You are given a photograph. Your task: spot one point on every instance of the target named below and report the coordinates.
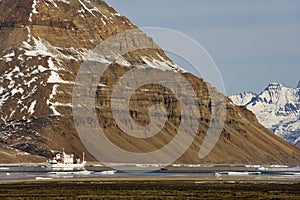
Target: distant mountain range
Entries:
(277, 108)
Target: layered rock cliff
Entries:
(42, 45)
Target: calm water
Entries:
(39, 173)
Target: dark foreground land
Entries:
(149, 190)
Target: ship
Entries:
(66, 161)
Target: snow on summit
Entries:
(277, 108)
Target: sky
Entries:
(253, 43)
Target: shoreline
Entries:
(161, 179)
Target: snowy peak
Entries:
(275, 94)
(274, 85)
(243, 98)
(277, 98)
(271, 94)
(277, 108)
(298, 86)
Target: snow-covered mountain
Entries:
(243, 98)
(277, 108)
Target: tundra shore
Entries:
(152, 188)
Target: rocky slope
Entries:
(277, 108)
(43, 44)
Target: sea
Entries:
(19, 172)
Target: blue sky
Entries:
(252, 42)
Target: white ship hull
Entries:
(67, 166)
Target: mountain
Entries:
(43, 45)
(243, 98)
(277, 108)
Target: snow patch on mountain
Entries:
(161, 64)
(55, 78)
(34, 7)
(40, 48)
(243, 98)
(277, 108)
(31, 108)
(51, 97)
(86, 8)
(8, 57)
(65, 1)
(53, 3)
